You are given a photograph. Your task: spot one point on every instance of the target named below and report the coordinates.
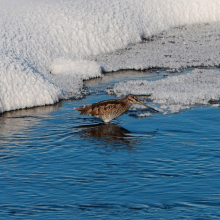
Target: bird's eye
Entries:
(135, 98)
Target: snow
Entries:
(180, 48)
(68, 75)
(74, 67)
(49, 46)
(21, 87)
(175, 93)
(147, 114)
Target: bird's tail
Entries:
(82, 110)
(79, 109)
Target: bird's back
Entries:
(106, 110)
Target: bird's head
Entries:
(134, 100)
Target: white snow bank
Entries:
(21, 86)
(180, 48)
(175, 93)
(82, 69)
(39, 32)
(68, 75)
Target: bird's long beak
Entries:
(141, 103)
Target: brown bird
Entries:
(110, 109)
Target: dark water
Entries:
(56, 164)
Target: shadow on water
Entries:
(109, 133)
(112, 134)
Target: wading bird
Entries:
(110, 109)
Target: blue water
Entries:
(56, 164)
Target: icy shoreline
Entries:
(47, 48)
(175, 93)
(189, 46)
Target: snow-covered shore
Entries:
(180, 48)
(175, 93)
(48, 47)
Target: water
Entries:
(56, 164)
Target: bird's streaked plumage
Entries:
(110, 109)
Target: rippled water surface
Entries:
(56, 164)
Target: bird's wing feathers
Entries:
(103, 108)
(99, 108)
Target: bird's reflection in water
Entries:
(109, 133)
(112, 134)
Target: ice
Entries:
(146, 114)
(180, 48)
(216, 105)
(49, 46)
(21, 87)
(175, 93)
(68, 75)
(83, 69)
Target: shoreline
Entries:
(183, 47)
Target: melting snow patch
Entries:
(176, 93)
(215, 105)
(142, 115)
